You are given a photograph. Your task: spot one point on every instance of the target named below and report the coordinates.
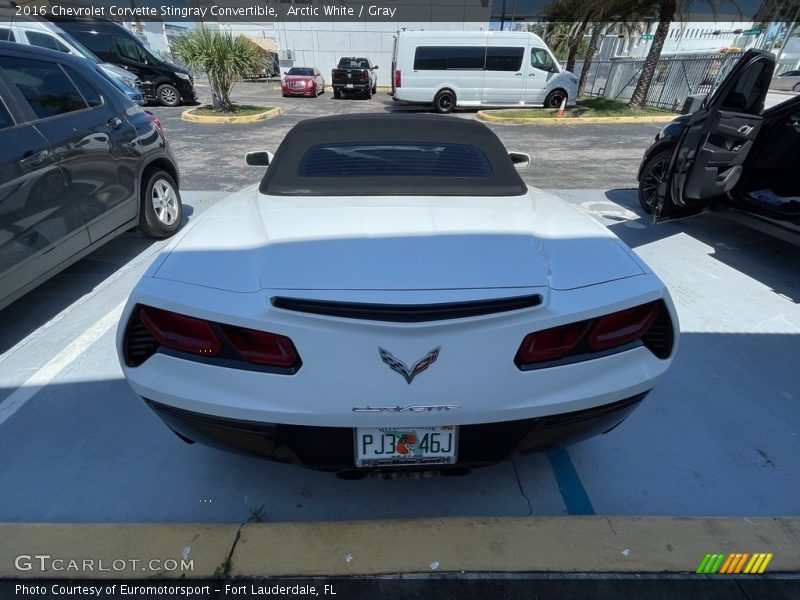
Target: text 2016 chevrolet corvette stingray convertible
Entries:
(394, 297)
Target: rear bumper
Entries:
(331, 448)
(352, 87)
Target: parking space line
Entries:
(58, 363)
(576, 500)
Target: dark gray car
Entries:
(79, 164)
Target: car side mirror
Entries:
(259, 159)
(375, 67)
(520, 159)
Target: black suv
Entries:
(79, 164)
(162, 82)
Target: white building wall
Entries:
(322, 44)
(697, 37)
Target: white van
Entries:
(478, 68)
(47, 35)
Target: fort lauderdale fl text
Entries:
(190, 12)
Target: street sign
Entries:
(756, 31)
(647, 37)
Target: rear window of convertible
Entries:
(394, 159)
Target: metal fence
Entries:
(673, 80)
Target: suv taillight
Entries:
(397, 78)
(154, 120)
(648, 323)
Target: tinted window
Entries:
(504, 59)
(541, 59)
(98, 44)
(89, 92)
(44, 85)
(787, 74)
(353, 63)
(5, 117)
(748, 91)
(44, 40)
(128, 49)
(393, 159)
(298, 71)
(428, 58)
(6, 35)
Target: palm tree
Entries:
(666, 13)
(225, 59)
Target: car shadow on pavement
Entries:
(44, 302)
(761, 257)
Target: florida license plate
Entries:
(384, 446)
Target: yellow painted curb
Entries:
(515, 545)
(553, 544)
(487, 116)
(188, 115)
(106, 550)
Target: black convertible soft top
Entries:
(391, 155)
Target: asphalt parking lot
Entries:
(718, 436)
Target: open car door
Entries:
(707, 161)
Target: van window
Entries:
(541, 59)
(132, 51)
(128, 49)
(435, 58)
(6, 35)
(45, 40)
(504, 59)
(44, 85)
(98, 44)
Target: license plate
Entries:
(349, 85)
(383, 446)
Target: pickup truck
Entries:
(354, 75)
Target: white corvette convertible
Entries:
(393, 296)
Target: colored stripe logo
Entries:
(734, 563)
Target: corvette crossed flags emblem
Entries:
(418, 367)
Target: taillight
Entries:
(550, 344)
(154, 120)
(180, 332)
(623, 327)
(262, 348)
(397, 78)
(648, 323)
(365, 73)
(152, 328)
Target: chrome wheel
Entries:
(169, 96)
(165, 202)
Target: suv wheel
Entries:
(653, 174)
(161, 211)
(337, 93)
(168, 95)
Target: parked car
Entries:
(788, 81)
(449, 69)
(730, 155)
(354, 75)
(393, 296)
(162, 82)
(303, 81)
(79, 164)
(48, 35)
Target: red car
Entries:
(303, 81)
